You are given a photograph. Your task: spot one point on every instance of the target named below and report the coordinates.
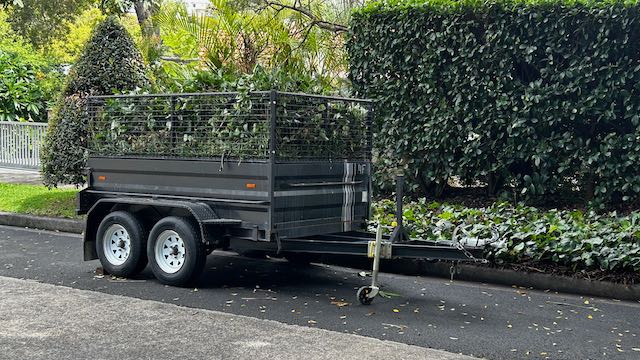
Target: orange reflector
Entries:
(102, 178)
(251, 186)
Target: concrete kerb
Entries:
(75, 226)
(468, 272)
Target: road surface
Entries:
(468, 318)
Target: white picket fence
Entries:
(20, 144)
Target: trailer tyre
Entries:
(121, 244)
(176, 252)
(363, 295)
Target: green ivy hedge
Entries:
(572, 238)
(529, 97)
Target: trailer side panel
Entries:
(320, 197)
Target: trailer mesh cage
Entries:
(243, 126)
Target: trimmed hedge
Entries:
(110, 63)
(532, 98)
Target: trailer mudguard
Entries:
(201, 213)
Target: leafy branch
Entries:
(315, 19)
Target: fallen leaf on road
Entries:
(396, 310)
(386, 294)
(399, 327)
(312, 322)
(340, 303)
(589, 316)
(453, 338)
(635, 349)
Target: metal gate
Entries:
(20, 144)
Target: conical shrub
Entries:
(110, 63)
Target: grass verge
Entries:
(38, 200)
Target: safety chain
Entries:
(459, 246)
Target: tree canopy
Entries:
(42, 21)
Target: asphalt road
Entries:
(473, 319)
(44, 321)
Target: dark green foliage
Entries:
(569, 238)
(110, 63)
(531, 98)
(63, 157)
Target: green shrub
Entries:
(529, 97)
(562, 237)
(29, 80)
(21, 97)
(110, 63)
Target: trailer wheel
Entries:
(363, 295)
(176, 252)
(120, 244)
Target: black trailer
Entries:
(171, 177)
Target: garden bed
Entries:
(569, 242)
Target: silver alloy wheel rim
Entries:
(116, 244)
(170, 252)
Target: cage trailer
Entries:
(172, 177)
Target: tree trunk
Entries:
(494, 183)
(144, 14)
(589, 186)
